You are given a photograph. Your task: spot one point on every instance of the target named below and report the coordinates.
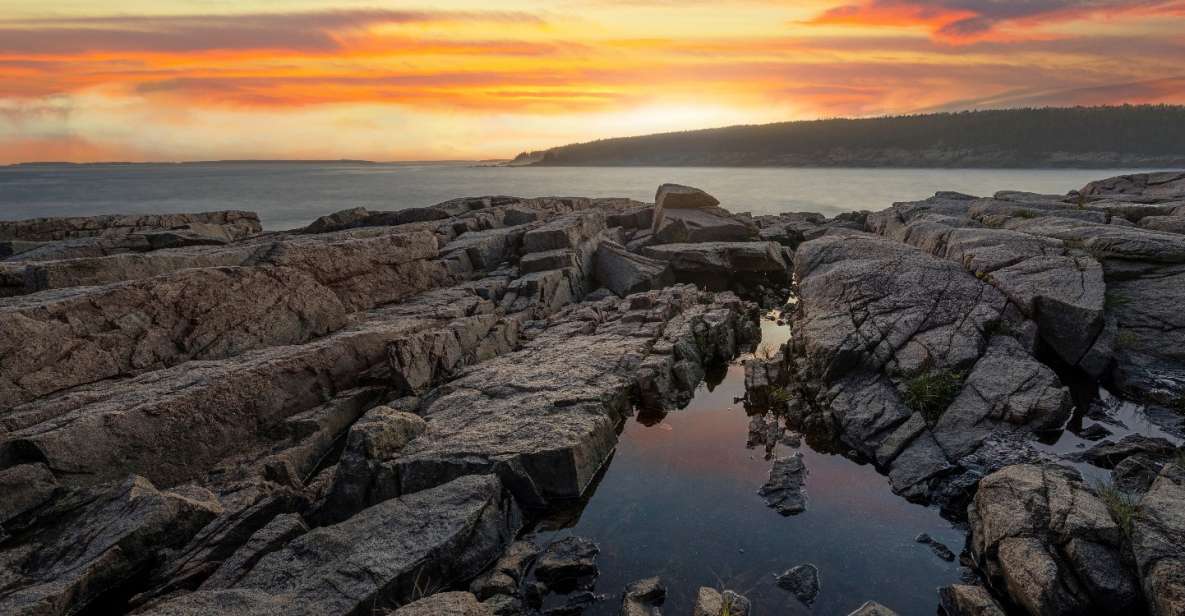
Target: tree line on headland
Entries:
(1090, 137)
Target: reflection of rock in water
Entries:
(784, 491)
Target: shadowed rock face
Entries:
(380, 555)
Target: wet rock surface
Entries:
(363, 415)
(802, 581)
(784, 491)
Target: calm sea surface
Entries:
(289, 195)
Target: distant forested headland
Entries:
(1079, 137)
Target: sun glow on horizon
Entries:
(186, 80)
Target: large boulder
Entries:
(1041, 536)
(711, 224)
(1142, 186)
(677, 196)
(624, 272)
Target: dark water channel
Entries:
(679, 500)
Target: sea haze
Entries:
(288, 195)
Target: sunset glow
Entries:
(185, 80)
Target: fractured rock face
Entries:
(1041, 536)
(625, 272)
(578, 373)
(53, 341)
(376, 558)
(95, 543)
(677, 196)
(1158, 532)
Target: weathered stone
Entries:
(1152, 186)
(383, 432)
(95, 543)
(445, 604)
(505, 577)
(783, 491)
(274, 536)
(172, 424)
(1135, 474)
(712, 224)
(25, 486)
(940, 550)
(967, 600)
(1158, 532)
(1041, 536)
(1006, 391)
(720, 257)
(624, 272)
(872, 608)
(578, 373)
(567, 560)
(677, 196)
(377, 558)
(54, 341)
(711, 602)
(565, 233)
(342, 219)
(643, 598)
(239, 224)
(802, 581)
(1107, 454)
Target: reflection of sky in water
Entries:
(680, 500)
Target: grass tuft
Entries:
(1025, 214)
(1126, 339)
(765, 351)
(1120, 504)
(779, 395)
(930, 392)
(1115, 299)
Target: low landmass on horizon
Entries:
(1080, 137)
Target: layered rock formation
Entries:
(328, 421)
(939, 339)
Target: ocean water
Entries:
(288, 195)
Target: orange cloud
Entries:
(962, 20)
(528, 77)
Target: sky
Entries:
(171, 80)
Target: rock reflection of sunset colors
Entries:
(184, 80)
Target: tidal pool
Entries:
(679, 500)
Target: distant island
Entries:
(1078, 137)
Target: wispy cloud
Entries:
(312, 31)
(972, 19)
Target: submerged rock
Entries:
(644, 598)
(567, 562)
(712, 602)
(872, 608)
(802, 581)
(940, 550)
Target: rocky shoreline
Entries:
(364, 415)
